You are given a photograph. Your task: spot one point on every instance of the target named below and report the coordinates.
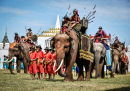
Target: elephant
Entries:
(99, 60)
(99, 56)
(21, 51)
(116, 56)
(67, 50)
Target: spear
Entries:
(92, 14)
(92, 18)
(26, 30)
(68, 9)
(91, 11)
(90, 22)
(39, 30)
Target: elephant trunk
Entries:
(59, 62)
(97, 59)
(10, 63)
(60, 73)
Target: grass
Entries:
(22, 82)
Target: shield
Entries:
(34, 38)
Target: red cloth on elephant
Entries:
(124, 59)
(54, 58)
(48, 65)
(33, 66)
(40, 56)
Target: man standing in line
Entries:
(53, 56)
(48, 60)
(32, 63)
(40, 56)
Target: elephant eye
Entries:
(65, 47)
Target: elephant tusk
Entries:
(10, 60)
(59, 65)
(5, 61)
(54, 65)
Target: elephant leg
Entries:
(125, 69)
(119, 67)
(25, 65)
(102, 72)
(10, 67)
(87, 70)
(18, 66)
(91, 68)
(81, 74)
(97, 69)
(115, 64)
(100, 67)
(69, 65)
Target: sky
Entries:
(112, 15)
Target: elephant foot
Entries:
(68, 80)
(98, 77)
(13, 73)
(80, 79)
(87, 79)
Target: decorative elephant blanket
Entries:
(108, 58)
(108, 61)
(85, 47)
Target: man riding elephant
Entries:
(99, 35)
(116, 44)
(65, 24)
(29, 34)
(75, 19)
(16, 38)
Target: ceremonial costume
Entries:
(40, 56)
(53, 56)
(32, 64)
(17, 39)
(75, 18)
(47, 67)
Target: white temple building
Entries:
(44, 39)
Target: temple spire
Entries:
(5, 40)
(57, 22)
(6, 32)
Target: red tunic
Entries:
(40, 56)
(48, 65)
(33, 65)
(54, 58)
(75, 18)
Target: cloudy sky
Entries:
(112, 15)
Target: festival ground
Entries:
(22, 82)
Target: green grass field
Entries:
(22, 82)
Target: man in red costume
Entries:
(40, 56)
(65, 24)
(47, 60)
(32, 63)
(75, 19)
(53, 56)
(116, 43)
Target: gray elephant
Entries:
(116, 56)
(99, 60)
(21, 51)
(99, 55)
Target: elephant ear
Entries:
(103, 51)
(52, 43)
